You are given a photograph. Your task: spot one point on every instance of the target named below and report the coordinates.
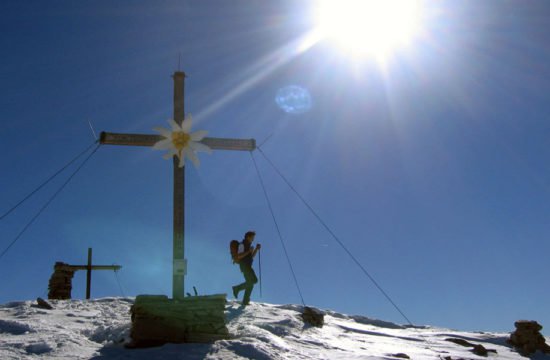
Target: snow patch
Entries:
(111, 334)
(39, 348)
(251, 350)
(14, 327)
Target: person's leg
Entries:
(251, 279)
(238, 288)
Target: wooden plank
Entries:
(89, 274)
(85, 267)
(164, 298)
(202, 298)
(178, 237)
(184, 310)
(178, 233)
(213, 312)
(129, 139)
(230, 144)
(150, 298)
(107, 138)
(192, 319)
(188, 320)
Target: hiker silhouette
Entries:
(244, 256)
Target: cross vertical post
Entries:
(60, 284)
(89, 274)
(179, 268)
(179, 264)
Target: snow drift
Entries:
(99, 329)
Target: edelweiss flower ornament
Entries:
(181, 141)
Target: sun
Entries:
(368, 27)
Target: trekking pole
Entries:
(260, 268)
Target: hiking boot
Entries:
(235, 292)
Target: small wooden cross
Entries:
(179, 261)
(60, 281)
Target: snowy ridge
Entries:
(98, 329)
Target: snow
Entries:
(99, 329)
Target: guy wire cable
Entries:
(48, 180)
(118, 282)
(48, 202)
(336, 238)
(278, 230)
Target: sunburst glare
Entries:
(368, 27)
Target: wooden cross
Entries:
(179, 261)
(60, 281)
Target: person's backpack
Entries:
(234, 249)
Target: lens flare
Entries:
(293, 99)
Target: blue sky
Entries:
(432, 167)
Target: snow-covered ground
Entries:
(98, 329)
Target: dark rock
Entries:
(314, 317)
(460, 342)
(43, 304)
(479, 350)
(401, 356)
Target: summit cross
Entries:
(179, 262)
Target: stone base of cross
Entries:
(179, 261)
(157, 320)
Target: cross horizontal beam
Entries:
(150, 140)
(85, 267)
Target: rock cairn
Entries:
(527, 338)
(61, 282)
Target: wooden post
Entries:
(179, 263)
(179, 266)
(89, 274)
(60, 284)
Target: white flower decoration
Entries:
(181, 141)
